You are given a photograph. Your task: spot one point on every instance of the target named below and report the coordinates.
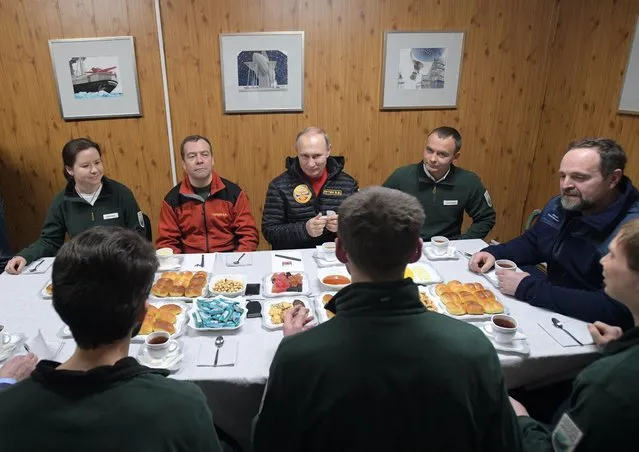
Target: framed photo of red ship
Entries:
(96, 77)
(421, 70)
(262, 72)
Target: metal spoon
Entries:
(558, 324)
(219, 341)
(238, 259)
(36, 267)
(201, 264)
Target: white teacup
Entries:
(504, 328)
(159, 344)
(329, 251)
(164, 254)
(440, 245)
(505, 264)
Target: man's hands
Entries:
(296, 320)
(315, 226)
(602, 333)
(19, 367)
(518, 408)
(509, 280)
(15, 265)
(331, 222)
(481, 262)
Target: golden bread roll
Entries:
(441, 288)
(493, 307)
(160, 291)
(474, 308)
(455, 308)
(172, 308)
(450, 297)
(163, 281)
(169, 275)
(198, 279)
(329, 314)
(473, 287)
(466, 296)
(161, 325)
(193, 292)
(485, 295)
(326, 298)
(150, 316)
(200, 274)
(176, 291)
(147, 328)
(166, 316)
(152, 309)
(455, 286)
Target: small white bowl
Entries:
(327, 271)
(216, 278)
(164, 254)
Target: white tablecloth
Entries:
(234, 393)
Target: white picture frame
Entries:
(421, 69)
(96, 77)
(629, 99)
(262, 72)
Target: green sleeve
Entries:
(131, 212)
(204, 434)
(51, 236)
(607, 422)
(278, 409)
(481, 212)
(392, 181)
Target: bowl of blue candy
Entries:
(217, 314)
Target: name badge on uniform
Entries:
(567, 435)
(332, 192)
(111, 216)
(451, 202)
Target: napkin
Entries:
(576, 327)
(246, 261)
(226, 357)
(321, 260)
(44, 349)
(281, 264)
(42, 268)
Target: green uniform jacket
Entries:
(124, 407)
(386, 375)
(604, 405)
(71, 214)
(445, 202)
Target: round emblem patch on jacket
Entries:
(302, 194)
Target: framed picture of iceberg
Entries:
(262, 72)
(96, 77)
(629, 100)
(421, 70)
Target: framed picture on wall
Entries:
(629, 102)
(262, 72)
(96, 77)
(421, 69)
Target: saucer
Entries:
(7, 349)
(518, 345)
(172, 263)
(170, 360)
(451, 253)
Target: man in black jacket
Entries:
(301, 204)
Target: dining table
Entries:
(234, 392)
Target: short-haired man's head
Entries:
(312, 131)
(72, 148)
(193, 139)
(628, 240)
(101, 280)
(380, 228)
(612, 154)
(447, 132)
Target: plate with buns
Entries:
(164, 316)
(180, 286)
(320, 302)
(47, 291)
(466, 301)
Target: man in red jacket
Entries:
(205, 213)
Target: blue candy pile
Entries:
(218, 312)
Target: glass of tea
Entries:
(159, 344)
(439, 244)
(504, 328)
(505, 264)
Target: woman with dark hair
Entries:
(89, 199)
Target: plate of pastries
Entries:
(273, 310)
(321, 301)
(161, 316)
(47, 290)
(180, 285)
(467, 300)
(428, 300)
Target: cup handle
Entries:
(172, 346)
(6, 338)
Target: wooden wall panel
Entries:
(502, 87)
(589, 57)
(32, 131)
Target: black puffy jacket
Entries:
(286, 210)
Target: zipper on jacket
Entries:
(206, 229)
(434, 193)
(92, 216)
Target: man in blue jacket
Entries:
(571, 236)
